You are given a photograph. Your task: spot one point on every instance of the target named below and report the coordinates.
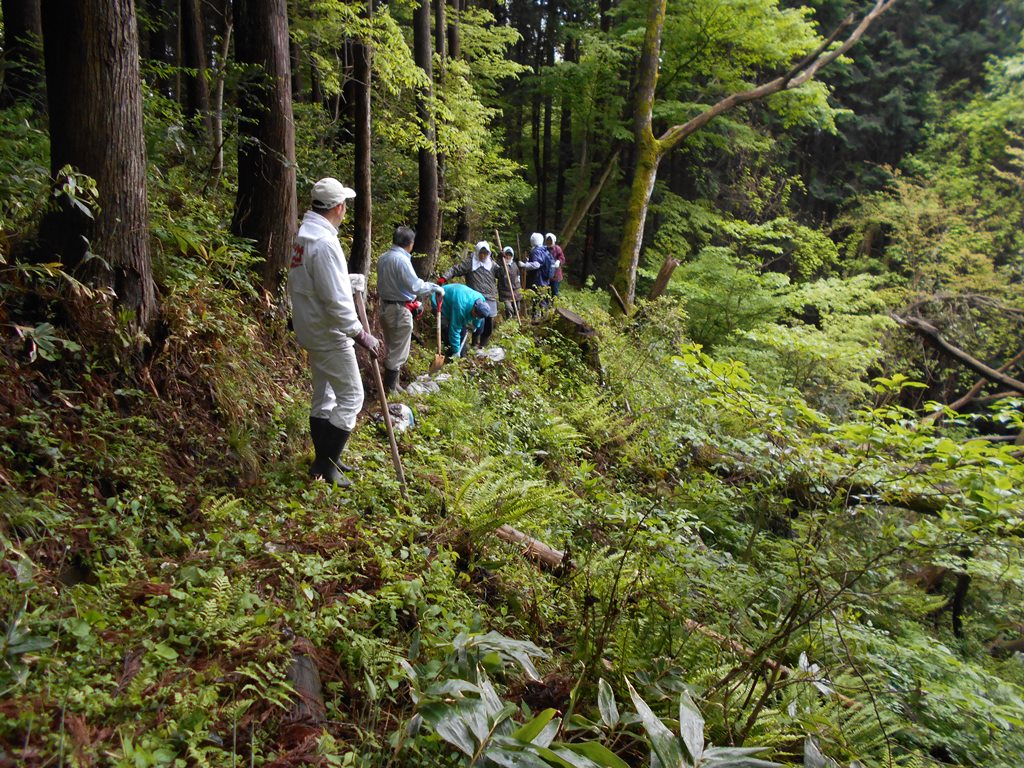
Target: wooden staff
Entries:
(357, 292)
(508, 277)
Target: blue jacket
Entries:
(457, 312)
(540, 268)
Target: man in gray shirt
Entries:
(397, 285)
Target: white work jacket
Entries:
(323, 311)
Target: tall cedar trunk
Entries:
(441, 47)
(647, 155)
(193, 54)
(23, 32)
(295, 58)
(454, 38)
(157, 41)
(535, 125)
(565, 156)
(265, 206)
(95, 108)
(427, 222)
(550, 39)
(362, 73)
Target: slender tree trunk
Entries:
(197, 87)
(95, 108)
(157, 41)
(265, 206)
(23, 33)
(584, 203)
(538, 169)
(427, 221)
(362, 75)
(225, 28)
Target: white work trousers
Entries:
(337, 387)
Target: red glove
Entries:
(370, 343)
(416, 308)
(441, 281)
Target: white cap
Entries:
(329, 192)
(483, 245)
(508, 249)
(536, 239)
(550, 236)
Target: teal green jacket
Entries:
(457, 313)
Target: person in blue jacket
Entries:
(462, 310)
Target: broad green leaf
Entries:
(691, 726)
(529, 731)
(664, 744)
(606, 704)
(599, 753)
(448, 723)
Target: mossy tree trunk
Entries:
(94, 96)
(650, 149)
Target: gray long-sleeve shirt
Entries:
(396, 279)
(478, 277)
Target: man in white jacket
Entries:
(326, 324)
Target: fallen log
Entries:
(972, 394)
(532, 549)
(931, 334)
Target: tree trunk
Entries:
(454, 38)
(362, 75)
(193, 54)
(427, 221)
(157, 40)
(650, 150)
(23, 33)
(95, 109)
(538, 170)
(664, 275)
(265, 206)
(584, 204)
(647, 153)
(225, 28)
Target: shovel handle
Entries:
(439, 300)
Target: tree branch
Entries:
(807, 69)
(931, 334)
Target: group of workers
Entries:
(328, 327)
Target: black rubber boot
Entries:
(391, 381)
(328, 443)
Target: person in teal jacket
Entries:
(462, 310)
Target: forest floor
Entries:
(167, 566)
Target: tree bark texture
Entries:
(95, 108)
(23, 33)
(427, 223)
(362, 73)
(265, 206)
(647, 153)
